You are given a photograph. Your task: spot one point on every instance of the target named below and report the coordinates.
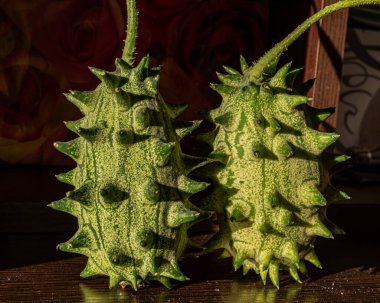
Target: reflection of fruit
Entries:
(91, 295)
(257, 293)
(253, 294)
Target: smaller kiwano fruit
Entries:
(269, 166)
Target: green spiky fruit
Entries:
(271, 185)
(269, 166)
(131, 186)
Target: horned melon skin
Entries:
(271, 187)
(131, 186)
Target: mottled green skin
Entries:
(131, 190)
(271, 187)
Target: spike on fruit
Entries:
(224, 90)
(274, 273)
(178, 214)
(320, 230)
(176, 110)
(239, 259)
(313, 259)
(243, 64)
(279, 79)
(70, 148)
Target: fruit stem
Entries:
(130, 40)
(256, 72)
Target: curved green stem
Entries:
(255, 73)
(130, 41)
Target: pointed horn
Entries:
(82, 100)
(67, 177)
(231, 70)
(274, 273)
(279, 79)
(239, 259)
(70, 148)
(313, 259)
(190, 186)
(176, 110)
(243, 64)
(109, 79)
(66, 205)
(223, 89)
(179, 214)
(294, 274)
(319, 229)
(187, 128)
(310, 195)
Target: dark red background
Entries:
(46, 47)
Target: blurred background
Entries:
(359, 104)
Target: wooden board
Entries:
(326, 42)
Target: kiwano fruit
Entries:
(269, 166)
(131, 186)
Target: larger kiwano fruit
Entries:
(131, 186)
(131, 189)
